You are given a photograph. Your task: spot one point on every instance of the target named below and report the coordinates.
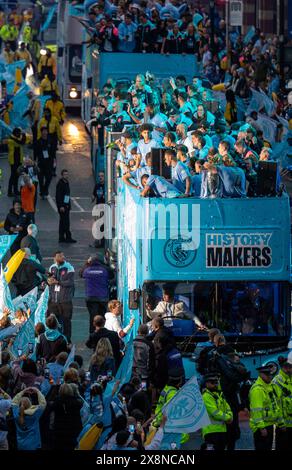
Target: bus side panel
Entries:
(129, 252)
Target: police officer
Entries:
(9, 33)
(265, 409)
(173, 385)
(219, 411)
(283, 383)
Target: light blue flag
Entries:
(27, 301)
(249, 35)
(186, 411)
(10, 331)
(5, 240)
(70, 358)
(125, 370)
(5, 296)
(11, 68)
(26, 335)
(42, 306)
(49, 18)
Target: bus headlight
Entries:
(73, 93)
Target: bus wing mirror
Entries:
(134, 297)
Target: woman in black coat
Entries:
(66, 422)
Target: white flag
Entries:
(186, 411)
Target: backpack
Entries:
(234, 372)
(89, 436)
(203, 359)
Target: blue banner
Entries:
(125, 370)
(70, 358)
(42, 306)
(249, 35)
(50, 16)
(5, 240)
(27, 301)
(11, 68)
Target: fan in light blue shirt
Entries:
(160, 187)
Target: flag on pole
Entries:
(49, 18)
(70, 358)
(186, 411)
(42, 306)
(5, 296)
(27, 301)
(6, 240)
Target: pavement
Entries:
(74, 155)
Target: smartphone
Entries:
(30, 348)
(19, 352)
(143, 385)
(139, 426)
(47, 373)
(132, 428)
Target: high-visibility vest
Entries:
(283, 383)
(218, 411)
(265, 408)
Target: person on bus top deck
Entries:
(146, 143)
(157, 186)
(181, 177)
(170, 307)
(133, 177)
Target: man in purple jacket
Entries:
(97, 283)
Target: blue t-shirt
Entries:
(161, 187)
(137, 174)
(180, 173)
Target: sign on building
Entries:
(235, 13)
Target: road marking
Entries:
(77, 205)
(52, 203)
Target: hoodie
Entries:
(51, 343)
(28, 436)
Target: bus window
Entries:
(236, 308)
(75, 63)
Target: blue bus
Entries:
(228, 260)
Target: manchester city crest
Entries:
(180, 252)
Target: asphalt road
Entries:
(75, 157)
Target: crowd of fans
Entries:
(198, 136)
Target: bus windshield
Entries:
(236, 308)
